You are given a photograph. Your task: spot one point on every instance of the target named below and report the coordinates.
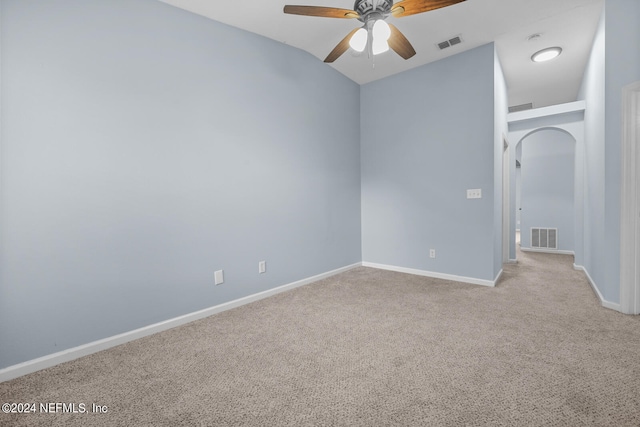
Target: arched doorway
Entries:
(566, 118)
(545, 182)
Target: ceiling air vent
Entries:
(521, 107)
(451, 42)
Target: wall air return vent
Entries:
(451, 42)
(521, 107)
(544, 238)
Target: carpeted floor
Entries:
(370, 348)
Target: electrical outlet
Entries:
(432, 253)
(219, 277)
(262, 267)
(475, 193)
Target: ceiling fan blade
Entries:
(399, 43)
(324, 12)
(411, 7)
(341, 47)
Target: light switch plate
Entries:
(219, 277)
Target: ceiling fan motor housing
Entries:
(365, 8)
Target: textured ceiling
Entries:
(570, 24)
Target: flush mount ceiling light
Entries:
(546, 54)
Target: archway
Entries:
(545, 197)
(567, 118)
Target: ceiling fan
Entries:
(375, 35)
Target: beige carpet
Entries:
(371, 348)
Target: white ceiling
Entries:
(570, 24)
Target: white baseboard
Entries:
(435, 275)
(50, 360)
(603, 302)
(548, 251)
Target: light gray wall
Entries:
(145, 147)
(605, 76)
(427, 136)
(1, 171)
(501, 131)
(593, 93)
(622, 67)
(547, 173)
(518, 186)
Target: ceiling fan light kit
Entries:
(376, 34)
(359, 40)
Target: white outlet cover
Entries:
(262, 267)
(474, 193)
(219, 277)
